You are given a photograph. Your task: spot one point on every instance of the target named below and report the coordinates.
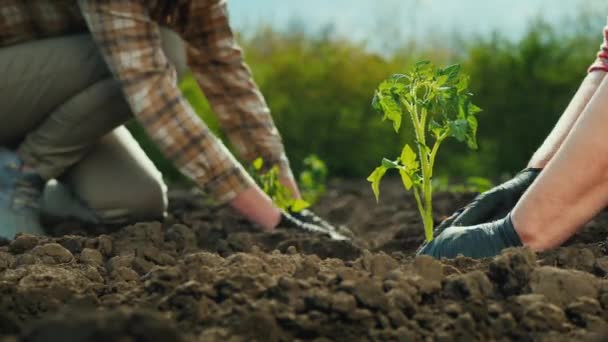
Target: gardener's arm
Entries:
(570, 191)
(130, 43)
(572, 188)
(218, 66)
(495, 203)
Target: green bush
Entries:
(523, 87)
(319, 91)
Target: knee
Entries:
(150, 202)
(145, 201)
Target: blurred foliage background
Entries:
(319, 88)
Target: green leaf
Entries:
(463, 84)
(463, 107)
(299, 205)
(451, 71)
(473, 109)
(389, 164)
(422, 64)
(375, 179)
(400, 77)
(406, 179)
(423, 70)
(471, 136)
(459, 129)
(436, 128)
(386, 102)
(376, 102)
(408, 158)
(441, 80)
(258, 164)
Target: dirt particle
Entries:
(474, 285)
(91, 257)
(453, 309)
(379, 265)
(72, 243)
(569, 257)
(582, 310)
(505, 324)
(364, 317)
(561, 287)
(402, 300)
(120, 261)
(53, 253)
(125, 274)
(141, 265)
(495, 309)
(370, 295)
(541, 315)
(343, 302)
(120, 325)
(428, 268)
(25, 259)
(600, 267)
(22, 243)
(58, 281)
(319, 300)
(183, 237)
(604, 293)
(307, 269)
(511, 270)
(465, 326)
(105, 245)
(6, 261)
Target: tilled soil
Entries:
(206, 275)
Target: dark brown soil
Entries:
(205, 275)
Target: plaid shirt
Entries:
(127, 33)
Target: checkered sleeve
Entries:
(130, 43)
(217, 63)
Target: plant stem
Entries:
(425, 203)
(428, 189)
(428, 204)
(420, 206)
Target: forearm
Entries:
(218, 65)
(563, 127)
(256, 206)
(574, 185)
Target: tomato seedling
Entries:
(312, 183)
(438, 103)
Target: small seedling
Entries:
(313, 178)
(438, 103)
(270, 183)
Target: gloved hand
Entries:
(492, 204)
(480, 241)
(307, 221)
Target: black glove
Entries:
(492, 204)
(307, 221)
(480, 241)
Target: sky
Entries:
(360, 20)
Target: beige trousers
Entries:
(64, 112)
